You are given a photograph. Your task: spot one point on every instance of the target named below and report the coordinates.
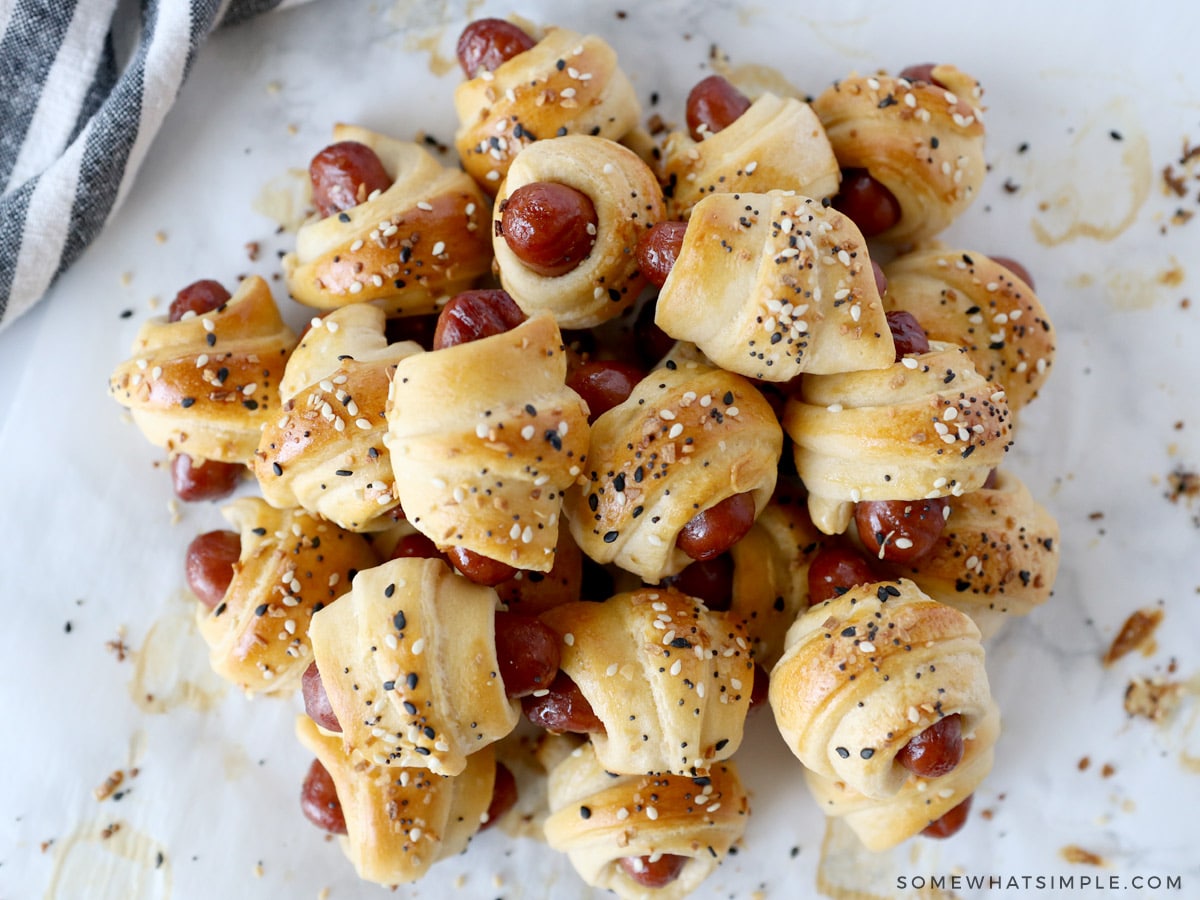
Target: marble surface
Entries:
(1084, 114)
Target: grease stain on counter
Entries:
(172, 668)
(286, 199)
(1071, 206)
(110, 859)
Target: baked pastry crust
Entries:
(883, 823)
(970, 299)
(643, 815)
(923, 142)
(669, 678)
(776, 144)
(400, 821)
(688, 437)
(627, 200)
(774, 285)
(291, 565)
(484, 438)
(207, 384)
(997, 556)
(770, 574)
(927, 426)
(567, 83)
(866, 672)
(325, 451)
(408, 659)
(423, 239)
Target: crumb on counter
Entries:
(1136, 633)
(1152, 698)
(1080, 857)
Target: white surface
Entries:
(88, 538)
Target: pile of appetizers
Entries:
(625, 434)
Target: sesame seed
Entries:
(427, 207)
(439, 248)
(418, 646)
(676, 431)
(611, 670)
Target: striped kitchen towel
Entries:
(76, 122)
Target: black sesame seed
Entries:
(610, 536)
(843, 752)
(399, 619)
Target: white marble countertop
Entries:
(1085, 112)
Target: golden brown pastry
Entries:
(883, 823)
(866, 672)
(688, 437)
(770, 574)
(423, 239)
(291, 565)
(997, 556)
(776, 144)
(669, 679)
(773, 285)
(484, 438)
(599, 820)
(927, 426)
(922, 141)
(205, 385)
(400, 821)
(325, 451)
(408, 660)
(627, 201)
(566, 84)
(970, 299)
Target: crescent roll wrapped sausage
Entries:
(770, 574)
(997, 555)
(627, 201)
(688, 438)
(919, 804)
(484, 438)
(928, 426)
(207, 384)
(325, 452)
(408, 661)
(567, 83)
(614, 828)
(400, 821)
(869, 671)
(669, 679)
(420, 240)
(291, 565)
(778, 143)
(773, 285)
(970, 299)
(921, 139)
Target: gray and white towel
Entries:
(76, 121)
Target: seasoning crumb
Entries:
(46, 844)
(1083, 763)
(117, 646)
(1182, 483)
(109, 786)
(252, 249)
(1137, 632)
(109, 830)
(258, 869)
(1077, 855)
(1153, 698)
(1108, 770)
(160, 237)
